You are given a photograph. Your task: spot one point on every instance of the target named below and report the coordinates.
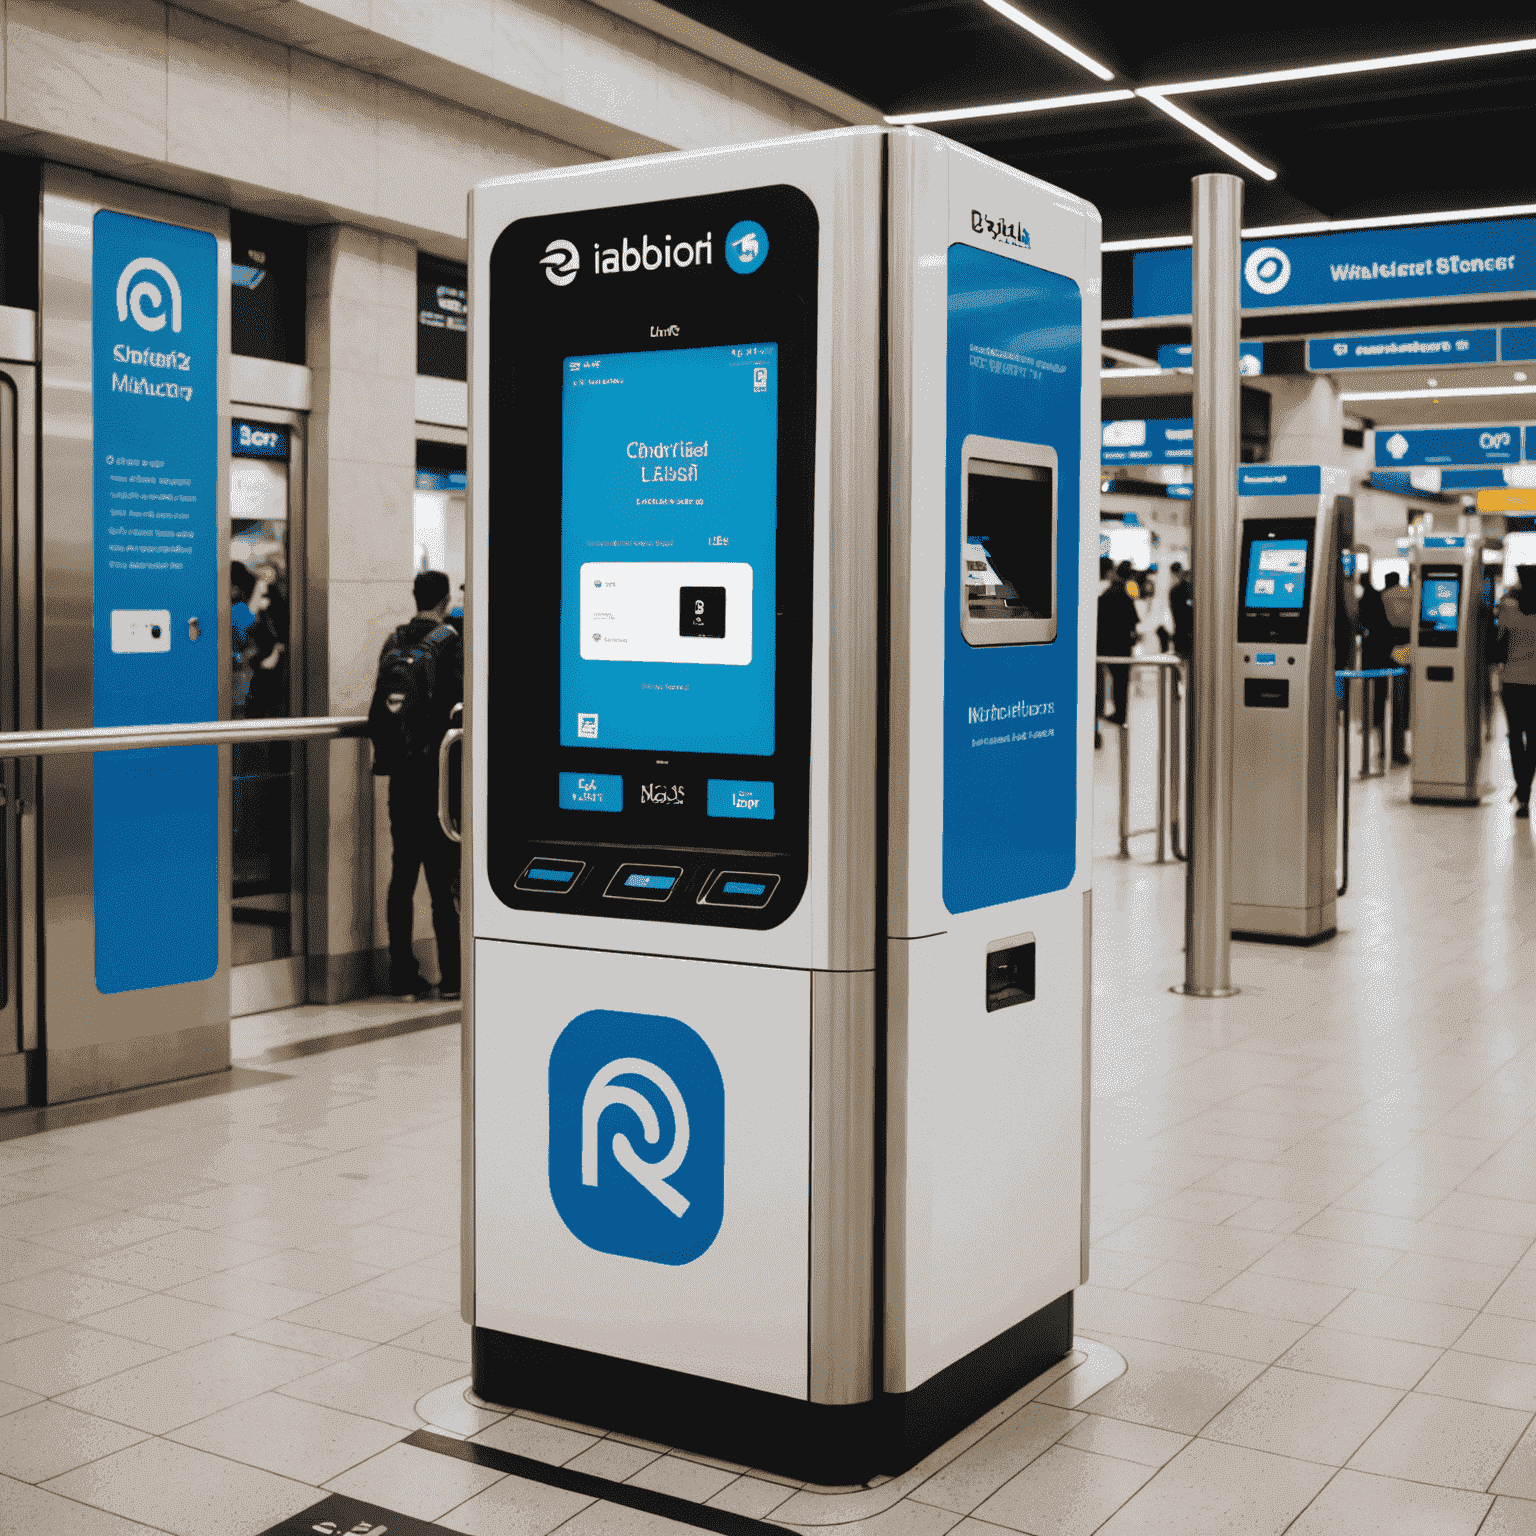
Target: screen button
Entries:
(550, 877)
(739, 888)
(740, 797)
(645, 882)
(1266, 658)
(591, 792)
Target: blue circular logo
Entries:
(746, 247)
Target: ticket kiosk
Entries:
(1293, 630)
(1447, 660)
(777, 938)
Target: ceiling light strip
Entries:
(1350, 67)
(1441, 394)
(1206, 132)
(1050, 39)
(1010, 108)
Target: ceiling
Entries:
(1417, 139)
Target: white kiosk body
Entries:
(1296, 523)
(777, 946)
(1446, 658)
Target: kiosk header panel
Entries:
(658, 544)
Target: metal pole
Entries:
(1123, 732)
(1176, 759)
(1161, 675)
(1215, 327)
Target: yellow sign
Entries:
(1507, 498)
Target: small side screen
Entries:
(1439, 605)
(1275, 576)
(1008, 560)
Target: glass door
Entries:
(266, 679)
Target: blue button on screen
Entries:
(558, 875)
(652, 882)
(742, 888)
(740, 797)
(592, 791)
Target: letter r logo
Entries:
(637, 1136)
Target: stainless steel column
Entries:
(1218, 219)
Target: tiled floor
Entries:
(1314, 1217)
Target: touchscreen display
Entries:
(669, 517)
(1008, 571)
(1440, 603)
(1277, 574)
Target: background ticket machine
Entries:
(777, 989)
(1293, 630)
(1447, 658)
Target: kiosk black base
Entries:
(817, 1442)
(1297, 940)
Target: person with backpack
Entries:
(420, 681)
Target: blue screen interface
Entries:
(1277, 574)
(1439, 603)
(669, 524)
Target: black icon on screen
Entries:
(701, 611)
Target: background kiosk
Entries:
(1447, 659)
(777, 995)
(1294, 627)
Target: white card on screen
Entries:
(141, 629)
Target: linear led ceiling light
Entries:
(1442, 394)
(1060, 44)
(1009, 108)
(1154, 94)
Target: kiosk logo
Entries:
(1268, 269)
(561, 262)
(611, 1074)
(746, 246)
(149, 293)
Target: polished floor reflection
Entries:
(1314, 1211)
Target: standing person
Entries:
(1117, 636)
(421, 679)
(1397, 601)
(1181, 604)
(1515, 648)
(1376, 644)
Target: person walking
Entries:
(1514, 649)
(1397, 602)
(1117, 636)
(420, 680)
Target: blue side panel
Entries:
(1014, 371)
(155, 565)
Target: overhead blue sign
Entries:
(257, 440)
(1169, 441)
(1448, 445)
(155, 591)
(1280, 480)
(1250, 357)
(1517, 344)
(1328, 354)
(1465, 479)
(1354, 267)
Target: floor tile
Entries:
(1210, 1489)
(368, 1314)
(683, 1479)
(1391, 1317)
(46, 1439)
(233, 1292)
(1482, 1379)
(517, 1507)
(751, 1496)
(205, 1250)
(1428, 1277)
(612, 1459)
(383, 1383)
(1064, 1492)
(302, 1440)
(66, 1295)
(25, 1509)
(18, 1323)
(1358, 1357)
(322, 1273)
(1518, 1474)
(314, 1341)
(1296, 1413)
(981, 1470)
(19, 1258)
(1444, 1441)
(127, 1266)
(1358, 1504)
(1299, 1301)
(1219, 1330)
(414, 1482)
(1505, 1338)
(69, 1356)
(534, 1438)
(170, 1322)
(1510, 1517)
(169, 1486)
(1325, 1261)
(1127, 1442)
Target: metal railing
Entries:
(202, 733)
(1341, 683)
(1172, 676)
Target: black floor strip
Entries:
(320, 1044)
(722, 1521)
(341, 1516)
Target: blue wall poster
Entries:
(1354, 267)
(1166, 440)
(1014, 371)
(1447, 445)
(155, 597)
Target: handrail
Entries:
(126, 738)
(1342, 678)
(1168, 754)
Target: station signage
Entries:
(1167, 441)
(1250, 357)
(1329, 354)
(1354, 268)
(1448, 445)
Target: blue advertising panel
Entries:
(1448, 445)
(1250, 357)
(1010, 711)
(155, 597)
(1517, 343)
(1463, 479)
(1280, 480)
(658, 653)
(1354, 267)
(1327, 354)
(1168, 441)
